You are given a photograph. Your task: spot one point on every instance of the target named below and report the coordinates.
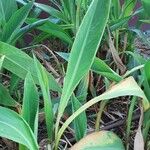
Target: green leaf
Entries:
(103, 140)
(48, 109)
(5, 98)
(114, 25)
(52, 11)
(130, 87)
(98, 66)
(146, 84)
(80, 123)
(128, 7)
(28, 28)
(13, 84)
(145, 21)
(30, 103)
(1, 61)
(21, 2)
(14, 127)
(15, 22)
(146, 5)
(147, 71)
(82, 89)
(30, 106)
(116, 8)
(5, 11)
(20, 64)
(52, 29)
(84, 48)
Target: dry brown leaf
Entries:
(115, 55)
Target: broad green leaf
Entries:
(20, 64)
(52, 29)
(15, 22)
(98, 66)
(103, 140)
(130, 87)
(146, 5)
(5, 98)
(30, 106)
(48, 109)
(84, 48)
(14, 127)
(7, 8)
(80, 123)
(1, 61)
(30, 103)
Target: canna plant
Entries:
(87, 21)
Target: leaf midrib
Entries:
(77, 65)
(17, 132)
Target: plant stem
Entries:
(129, 120)
(99, 115)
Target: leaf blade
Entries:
(83, 48)
(130, 88)
(16, 130)
(20, 64)
(30, 102)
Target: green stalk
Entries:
(129, 120)
(102, 106)
(99, 115)
(78, 17)
(133, 70)
(146, 126)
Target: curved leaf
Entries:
(30, 103)
(5, 98)
(48, 109)
(13, 127)
(130, 88)
(98, 66)
(52, 11)
(84, 48)
(52, 29)
(20, 64)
